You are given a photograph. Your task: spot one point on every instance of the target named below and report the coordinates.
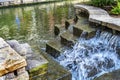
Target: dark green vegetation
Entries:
(116, 9)
(111, 6)
(101, 3)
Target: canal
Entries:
(34, 24)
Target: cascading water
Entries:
(91, 58)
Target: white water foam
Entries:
(91, 58)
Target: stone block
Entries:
(55, 71)
(37, 67)
(67, 39)
(23, 76)
(10, 75)
(58, 29)
(10, 60)
(77, 31)
(21, 70)
(54, 48)
(20, 74)
(36, 64)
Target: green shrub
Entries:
(116, 9)
(101, 3)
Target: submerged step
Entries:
(55, 70)
(68, 38)
(10, 60)
(54, 48)
(83, 26)
(36, 64)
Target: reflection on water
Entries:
(33, 24)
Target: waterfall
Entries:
(91, 58)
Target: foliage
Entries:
(101, 3)
(116, 9)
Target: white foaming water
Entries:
(91, 58)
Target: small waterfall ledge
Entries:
(96, 49)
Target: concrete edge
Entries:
(100, 16)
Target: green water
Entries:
(33, 24)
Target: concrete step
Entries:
(58, 28)
(83, 26)
(55, 70)
(54, 48)
(68, 39)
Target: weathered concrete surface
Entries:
(37, 64)
(54, 48)
(10, 60)
(68, 38)
(55, 70)
(115, 75)
(100, 16)
(69, 22)
(58, 29)
(83, 26)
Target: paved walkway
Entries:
(100, 16)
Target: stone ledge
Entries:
(36, 63)
(68, 38)
(10, 60)
(54, 48)
(100, 16)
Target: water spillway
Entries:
(90, 58)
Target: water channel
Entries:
(35, 24)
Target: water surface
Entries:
(34, 24)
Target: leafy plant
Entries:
(116, 9)
(101, 3)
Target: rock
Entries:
(23, 49)
(11, 59)
(54, 48)
(37, 67)
(21, 71)
(10, 76)
(17, 47)
(23, 76)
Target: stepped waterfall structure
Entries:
(87, 47)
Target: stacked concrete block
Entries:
(12, 65)
(37, 64)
